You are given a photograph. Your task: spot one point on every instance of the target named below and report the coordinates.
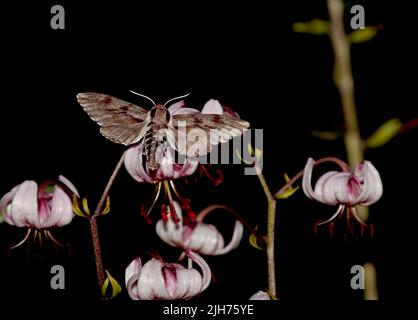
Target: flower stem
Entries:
(108, 186)
(93, 224)
(345, 83)
(354, 144)
(97, 251)
(271, 217)
(299, 175)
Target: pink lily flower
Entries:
(363, 186)
(193, 234)
(158, 280)
(41, 207)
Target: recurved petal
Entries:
(134, 166)
(189, 283)
(169, 231)
(5, 205)
(170, 278)
(61, 210)
(151, 284)
(372, 188)
(24, 207)
(133, 268)
(307, 181)
(132, 286)
(186, 169)
(178, 108)
(68, 184)
(235, 240)
(229, 112)
(205, 238)
(206, 273)
(335, 189)
(319, 185)
(260, 295)
(212, 106)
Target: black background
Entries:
(248, 57)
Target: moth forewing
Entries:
(121, 122)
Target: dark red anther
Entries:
(144, 214)
(362, 227)
(175, 217)
(164, 212)
(331, 229)
(371, 231)
(191, 215)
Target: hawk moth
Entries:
(125, 123)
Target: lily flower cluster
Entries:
(53, 204)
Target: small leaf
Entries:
(76, 208)
(237, 152)
(362, 35)
(254, 153)
(86, 206)
(272, 296)
(114, 286)
(1, 217)
(384, 133)
(106, 210)
(254, 240)
(326, 135)
(316, 27)
(288, 192)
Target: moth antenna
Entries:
(144, 96)
(183, 96)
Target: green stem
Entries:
(344, 80)
(354, 144)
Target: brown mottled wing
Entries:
(194, 134)
(122, 122)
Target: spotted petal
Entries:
(372, 183)
(61, 210)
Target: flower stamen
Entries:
(49, 235)
(25, 238)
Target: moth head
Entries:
(159, 114)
